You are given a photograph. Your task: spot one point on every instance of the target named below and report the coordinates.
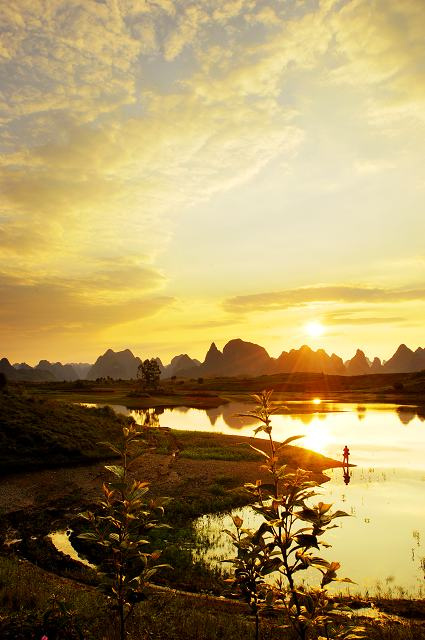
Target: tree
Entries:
(149, 373)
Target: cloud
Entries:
(81, 305)
(380, 45)
(353, 318)
(190, 20)
(72, 56)
(370, 167)
(305, 295)
(91, 144)
(119, 115)
(267, 15)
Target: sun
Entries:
(314, 329)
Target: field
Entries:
(403, 388)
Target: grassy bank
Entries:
(39, 432)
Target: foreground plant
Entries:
(285, 543)
(121, 525)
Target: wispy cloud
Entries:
(380, 44)
(305, 295)
(81, 305)
(356, 317)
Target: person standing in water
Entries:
(345, 465)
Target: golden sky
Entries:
(175, 172)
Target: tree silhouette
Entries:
(148, 372)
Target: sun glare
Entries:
(317, 438)
(314, 329)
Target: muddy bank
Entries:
(184, 478)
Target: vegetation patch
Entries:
(37, 432)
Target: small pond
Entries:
(382, 547)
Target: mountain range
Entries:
(237, 358)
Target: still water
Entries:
(382, 546)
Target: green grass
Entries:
(37, 432)
(220, 453)
(199, 445)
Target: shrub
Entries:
(125, 518)
(285, 543)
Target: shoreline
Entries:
(23, 489)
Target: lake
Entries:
(382, 546)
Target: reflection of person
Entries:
(346, 475)
(346, 453)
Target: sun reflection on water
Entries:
(317, 439)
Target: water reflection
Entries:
(376, 439)
(63, 544)
(406, 414)
(213, 415)
(306, 418)
(384, 492)
(361, 411)
(346, 475)
(376, 547)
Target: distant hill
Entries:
(178, 365)
(405, 359)
(245, 358)
(24, 373)
(60, 371)
(359, 365)
(306, 360)
(115, 364)
(81, 369)
(237, 358)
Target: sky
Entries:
(177, 172)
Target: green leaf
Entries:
(270, 566)
(307, 540)
(346, 580)
(340, 514)
(263, 453)
(262, 427)
(116, 470)
(287, 441)
(309, 515)
(88, 536)
(114, 536)
(324, 508)
(229, 533)
(86, 515)
(112, 447)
